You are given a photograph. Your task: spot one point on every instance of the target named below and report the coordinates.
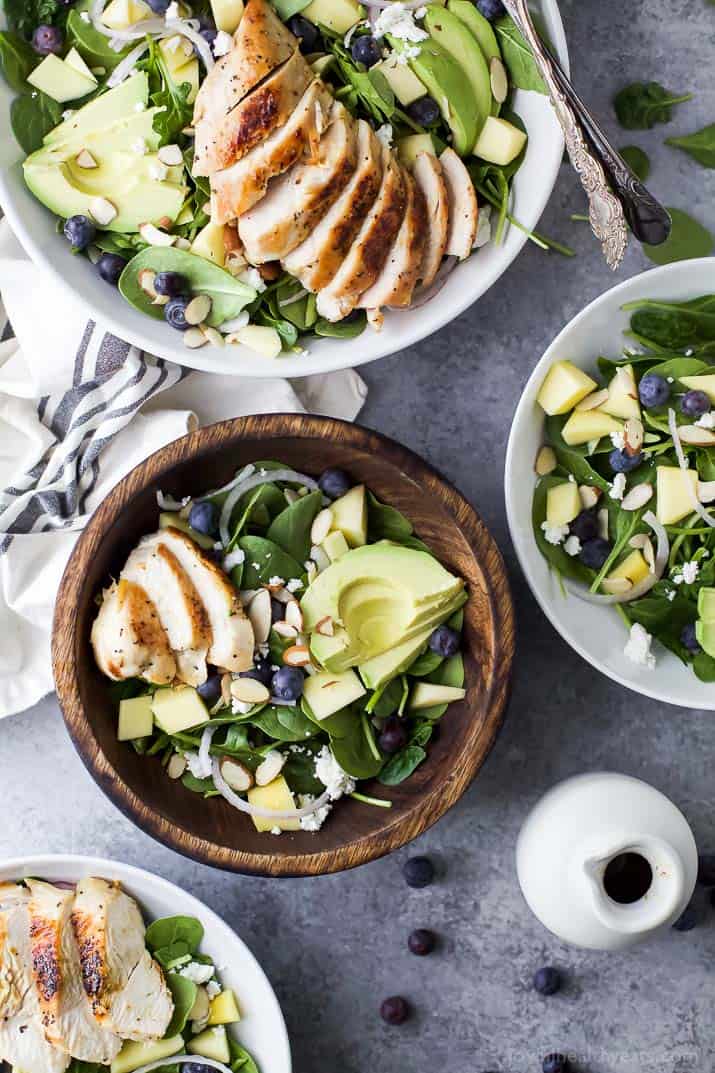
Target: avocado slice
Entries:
(478, 26)
(445, 80)
(706, 603)
(455, 37)
(125, 100)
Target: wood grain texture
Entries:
(211, 831)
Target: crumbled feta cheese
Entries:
(196, 767)
(637, 648)
(572, 546)
(689, 352)
(139, 147)
(158, 171)
(670, 379)
(332, 776)
(707, 420)
(421, 12)
(172, 12)
(618, 439)
(234, 558)
(314, 820)
(484, 227)
(687, 574)
(140, 106)
(68, 113)
(223, 43)
(618, 487)
(84, 15)
(240, 707)
(253, 278)
(554, 534)
(670, 595)
(384, 135)
(294, 585)
(213, 988)
(399, 22)
(276, 831)
(407, 53)
(197, 973)
(276, 580)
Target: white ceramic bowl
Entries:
(262, 1029)
(597, 633)
(35, 227)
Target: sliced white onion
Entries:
(186, 27)
(180, 1059)
(205, 750)
(425, 294)
(125, 68)
(293, 298)
(255, 810)
(408, 5)
(644, 586)
(146, 26)
(240, 488)
(240, 476)
(169, 503)
(683, 463)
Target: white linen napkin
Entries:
(79, 408)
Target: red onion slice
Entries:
(644, 586)
(683, 463)
(255, 810)
(241, 487)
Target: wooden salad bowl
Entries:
(210, 830)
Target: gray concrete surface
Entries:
(334, 947)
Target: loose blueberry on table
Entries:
(547, 981)
(421, 941)
(418, 872)
(395, 1010)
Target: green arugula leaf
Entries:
(688, 239)
(700, 145)
(640, 105)
(637, 161)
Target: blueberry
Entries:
(171, 284)
(594, 553)
(418, 871)
(706, 869)
(622, 462)
(394, 1010)
(110, 267)
(209, 34)
(203, 517)
(287, 683)
(196, 1067)
(421, 942)
(424, 111)
(555, 1063)
(158, 6)
(365, 49)
(393, 736)
(689, 640)
(688, 919)
(306, 32)
(695, 403)
(653, 390)
(210, 690)
(584, 526)
(261, 671)
(547, 981)
(278, 610)
(174, 312)
(491, 9)
(79, 231)
(46, 40)
(334, 483)
(444, 641)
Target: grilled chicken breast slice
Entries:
(369, 251)
(463, 209)
(23, 1044)
(261, 43)
(398, 278)
(128, 638)
(428, 176)
(181, 613)
(223, 139)
(232, 640)
(125, 987)
(57, 974)
(237, 189)
(316, 260)
(297, 200)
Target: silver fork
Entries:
(616, 196)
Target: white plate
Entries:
(597, 633)
(35, 227)
(262, 1030)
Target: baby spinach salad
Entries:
(622, 509)
(106, 111)
(344, 649)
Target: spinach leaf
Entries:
(388, 700)
(241, 1060)
(338, 725)
(571, 458)
(17, 61)
(291, 528)
(180, 935)
(688, 238)
(704, 667)
(637, 160)
(426, 663)
(284, 724)
(32, 117)
(228, 295)
(640, 105)
(199, 786)
(700, 145)
(183, 992)
(92, 46)
(357, 753)
(386, 523)
(449, 673)
(78, 1066)
(264, 560)
(674, 325)
(299, 773)
(348, 328)
(400, 766)
(517, 56)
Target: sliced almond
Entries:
(633, 432)
(194, 338)
(322, 524)
(602, 518)
(198, 309)
(249, 691)
(145, 280)
(706, 491)
(259, 614)
(226, 689)
(592, 401)
(213, 336)
(546, 461)
(320, 558)
(154, 236)
(238, 777)
(160, 300)
(291, 496)
(282, 595)
(170, 155)
(94, 254)
(236, 263)
(284, 630)
(246, 595)
(102, 211)
(311, 570)
(270, 767)
(614, 586)
(176, 766)
(696, 436)
(638, 541)
(649, 554)
(164, 222)
(637, 497)
(498, 79)
(588, 495)
(325, 627)
(294, 615)
(200, 1009)
(181, 243)
(296, 656)
(85, 160)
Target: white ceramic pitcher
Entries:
(605, 861)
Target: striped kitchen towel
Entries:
(79, 408)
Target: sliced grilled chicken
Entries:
(237, 189)
(398, 277)
(125, 987)
(128, 638)
(297, 200)
(428, 176)
(261, 43)
(316, 260)
(232, 640)
(23, 1044)
(369, 251)
(463, 209)
(66, 1014)
(181, 613)
(228, 137)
